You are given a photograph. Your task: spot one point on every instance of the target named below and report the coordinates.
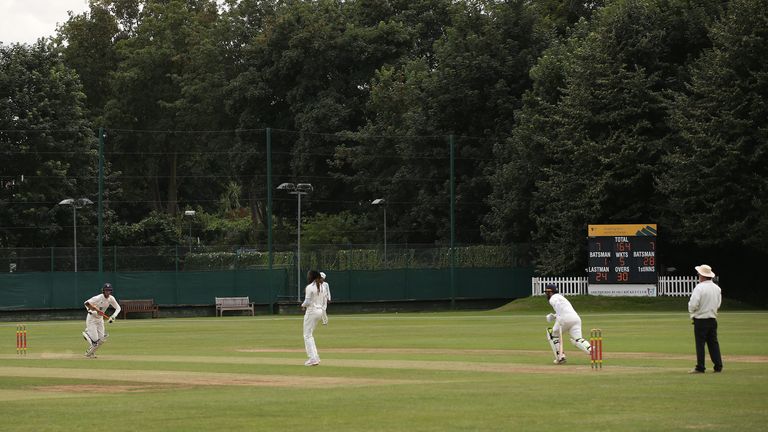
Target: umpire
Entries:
(703, 305)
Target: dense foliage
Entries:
(563, 114)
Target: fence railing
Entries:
(566, 285)
(673, 286)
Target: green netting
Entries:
(59, 290)
(64, 290)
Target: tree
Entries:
(87, 43)
(560, 15)
(522, 157)
(469, 87)
(342, 228)
(158, 86)
(717, 177)
(304, 69)
(47, 145)
(595, 128)
(157, 229)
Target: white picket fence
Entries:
(565, 285)
(674, 286)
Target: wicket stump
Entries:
(596, 342)
(21, 339)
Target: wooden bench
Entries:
(233, 303)
(144, 305)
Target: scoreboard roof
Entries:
(633, 230)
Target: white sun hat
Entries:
(705, 271)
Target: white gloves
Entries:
(551, 317)
(92, 312)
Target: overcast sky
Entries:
(25, 21)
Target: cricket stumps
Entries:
(21, 339)
(596, 352)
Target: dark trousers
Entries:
(705, 332)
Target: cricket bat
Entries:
(103, 315)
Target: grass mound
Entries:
(617, 304)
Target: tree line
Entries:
(565, 114)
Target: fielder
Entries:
(315, 302)
(327, 290)
(566, 320)
(97, 306)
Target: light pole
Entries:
(298, 190)
(75, 203)
(382, 202)
(190, 214)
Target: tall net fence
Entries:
(165, 193)
(335, 257)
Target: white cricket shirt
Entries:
(314, 297)
(705, 300)
(562, 306)
(102, 303)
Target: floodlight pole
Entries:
(298, 247)
(383, 202)
(191, 214)
(386, 263)
(298, 190)
(74, 203)
(74, 230)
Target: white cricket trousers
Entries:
(311, 318)
(94, 326)
(570, 324)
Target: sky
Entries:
(24, 21)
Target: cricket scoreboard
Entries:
(622, 254)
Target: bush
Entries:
(238, 260)
(330, 258)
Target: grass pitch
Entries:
(467, 371)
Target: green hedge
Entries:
(332, 258)
(209, 261)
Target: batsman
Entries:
(96, 306)
(566, 320)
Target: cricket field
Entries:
(451, 371)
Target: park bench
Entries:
(233, 303)
(143, 305)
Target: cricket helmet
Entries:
(551, 288)
(107, 287)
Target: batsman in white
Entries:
(566, 320)
(97, 306)
(315, 302)
(327, 290)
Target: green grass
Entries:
(619, 304)
(465, 371)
